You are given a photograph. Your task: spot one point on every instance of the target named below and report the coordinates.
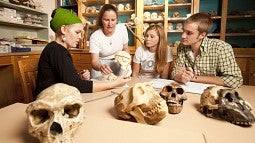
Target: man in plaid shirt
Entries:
(204, 60)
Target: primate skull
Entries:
(56, 114)
(226, 104)
(174, 95)
(141, 102)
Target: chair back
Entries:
(28, 72)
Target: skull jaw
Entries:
(239, 117)
(152, 119)
(149, 117)
(174, 108)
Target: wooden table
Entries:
(103, 125)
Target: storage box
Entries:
(5, 49)
(18, 49)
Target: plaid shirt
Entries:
(216, 59)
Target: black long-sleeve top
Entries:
(56, 66)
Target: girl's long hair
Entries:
(161, 53)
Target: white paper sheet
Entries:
(192, 87)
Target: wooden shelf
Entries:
(8, 23)
(21, 8)
(179, 5)
(240, 34)
(179, 19)
(154, 7)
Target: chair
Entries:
(28, 72)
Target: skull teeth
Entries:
(241, 123)
(156, 108)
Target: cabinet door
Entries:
(81, 61)
(17, 76)
(240, 27)
(251, 71)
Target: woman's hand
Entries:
(84, 74)
(121, 81)
(105, 69)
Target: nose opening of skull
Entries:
(56, 129)
(173, 95)
(40, 116)
(71, 111)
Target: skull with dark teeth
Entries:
(174, 95)
(226, 104)
(142, 103)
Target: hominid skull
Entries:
(124, 59)
(226, 104)
(141, 102)
(174, 95)
(56, 114)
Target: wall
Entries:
(48, 7)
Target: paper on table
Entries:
(192, 87)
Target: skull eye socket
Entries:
(169, 88)
(237, 95)
(71, 111)
(40, 116)
(179, 90)
(229, 97)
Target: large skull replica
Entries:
(141, 102)
(124, 60)
(225, 103)
(174, 95)
(56, 114)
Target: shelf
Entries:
(21, 8)
(175, 31)
(240, 34)
(123, 12)
(154, 20)
(118, 1)
(214, 34)
(179, 5)
(241, 17)
(215, 17)
(8, 23)
(154, 7)
(179, 19)
(93, 2)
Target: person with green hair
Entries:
(56, 64)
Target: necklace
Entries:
(110, 42)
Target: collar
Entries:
(203, 47)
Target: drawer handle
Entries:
(24, 57)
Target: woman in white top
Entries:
(154, 58)
(108, 39)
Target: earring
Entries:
(63, 38)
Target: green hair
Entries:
(61, 17)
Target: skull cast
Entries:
(226, 104)
(141, 102)
(174, 95)
(124, 59)
(56, 114)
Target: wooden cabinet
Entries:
(82, 61)
(245, 58)
(233, 21)
(17, 20)
(10, 84)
